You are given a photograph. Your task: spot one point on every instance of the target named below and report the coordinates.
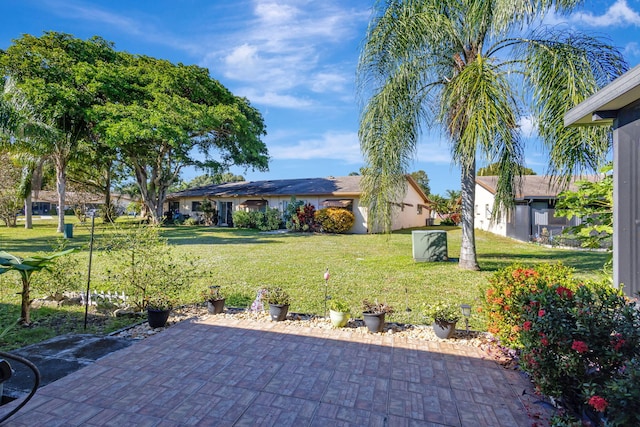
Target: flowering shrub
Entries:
(509, 287)
(580, 348)
(335, 220)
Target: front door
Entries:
(225, 211)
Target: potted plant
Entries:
(158, 308)
(374, 314)
(214, 299)
(339, 312)
(278, 300)
(445, 316)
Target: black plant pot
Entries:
(278, 312)
(157, 318)
(215, 306)
(374, 321)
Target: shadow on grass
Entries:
(585, 261)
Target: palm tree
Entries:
(22, 134)
(463, 67)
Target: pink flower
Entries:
(526, 325)
(326, 275)
(598, 403)
(541, 313)
(580, 346)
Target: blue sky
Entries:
(294, 59)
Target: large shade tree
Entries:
(473, 68)
(162, 117)
(52, 72)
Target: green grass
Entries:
(362, 266)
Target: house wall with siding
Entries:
(482, 213)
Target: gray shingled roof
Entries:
(338, 186)
(535, 186)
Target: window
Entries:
(419, 209)
(196, 206)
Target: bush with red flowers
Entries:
(581, 348)
(511, 285)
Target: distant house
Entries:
(341, 192)
(533, 214)
(45, 202)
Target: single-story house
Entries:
(45, 202)
(342, 192)
(532, 217)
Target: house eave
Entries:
(601, 107)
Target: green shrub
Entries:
(335, 220)
(508, 287)
(581, 348)
(339, 305)
(190, 221)
(242, 219)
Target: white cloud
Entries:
(618, 15)
(527, 126)
(328, 82)
(631, 49)
(274, 99)
(283, 47)
(343, 146)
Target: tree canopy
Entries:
(473, 68)
(154, 116)
(494, 169)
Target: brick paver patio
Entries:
(230, 372)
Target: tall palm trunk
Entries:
(28, 211)
(61, 184)
(468, 259)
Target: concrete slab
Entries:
(57, 358)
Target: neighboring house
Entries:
(45, 202)
(532, 218)
(320, 192)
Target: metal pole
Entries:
(86, 300)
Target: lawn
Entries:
(362, 266)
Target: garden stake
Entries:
(326, 286)
(86, 300)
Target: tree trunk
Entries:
(28, 212)
(468, 260)
(25, 312)
(61, 187)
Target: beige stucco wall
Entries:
(482, 213)
(406, 216)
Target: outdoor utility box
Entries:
(68, 231)
(429, 246)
